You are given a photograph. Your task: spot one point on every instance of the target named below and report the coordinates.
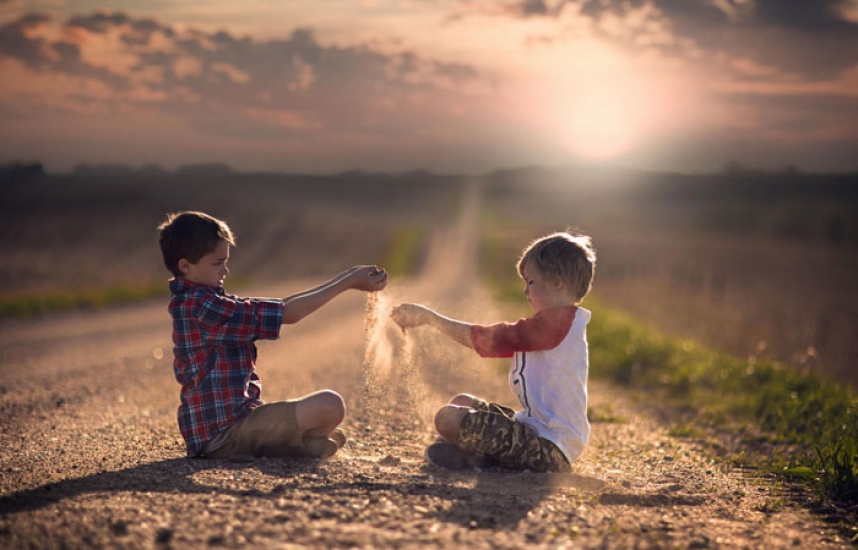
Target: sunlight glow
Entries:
(599, 122)
(598, 111)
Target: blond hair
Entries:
(565, 256)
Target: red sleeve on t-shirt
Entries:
(545, 330)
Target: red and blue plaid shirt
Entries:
(215, 356)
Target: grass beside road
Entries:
(28, 304)
(406, 245)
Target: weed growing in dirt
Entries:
(840, 475)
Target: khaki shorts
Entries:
(270, 429)
(492, 431)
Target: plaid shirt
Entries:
(214, 356)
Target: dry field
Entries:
(83, 232)
(747, 270)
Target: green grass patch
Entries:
(404, 252)
(498, 259)
(685, 430)
(605, 417)
(29, 304)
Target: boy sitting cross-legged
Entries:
(221, 414)
(548, 372)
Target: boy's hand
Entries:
(367, 277)
(411, 315)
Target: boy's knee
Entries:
(328, 406)
(447, 421)
(331, 405)
(463, 400)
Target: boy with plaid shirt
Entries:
(221, 414)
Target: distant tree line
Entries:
(19, 171)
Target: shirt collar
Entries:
(178, 286)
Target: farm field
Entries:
(97, 228)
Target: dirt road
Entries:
(91, 456)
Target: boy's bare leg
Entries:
(318, 416)
(319, 413)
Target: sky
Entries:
(450, 86)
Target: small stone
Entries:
(119, 528)
(164, 535)
(390, 460)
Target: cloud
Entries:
(495, 83)
(100, 22)
(529, 8)
(19, 40)
(816, 39)
(296, 83)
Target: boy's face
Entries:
(211, 270)
(543, 293)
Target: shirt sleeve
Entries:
(226, 319)
(544, 331)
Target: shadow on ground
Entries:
(503, 499)
(487, 500)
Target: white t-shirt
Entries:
(548, 372)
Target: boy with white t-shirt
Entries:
(548, 373)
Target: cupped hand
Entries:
(410, 315)
(368, 277)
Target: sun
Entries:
(596, 104)
(598, 122)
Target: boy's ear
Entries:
(558, 283)
(184, 265)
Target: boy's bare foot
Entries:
(446, 455)
(339, 437)
(320, 447)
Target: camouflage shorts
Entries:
(491, 432)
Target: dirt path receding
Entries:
(92, 458)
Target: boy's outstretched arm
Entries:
(415, 315)
(368, 278)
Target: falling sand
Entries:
(392, 383)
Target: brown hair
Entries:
(565, 256)
(190, 235)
